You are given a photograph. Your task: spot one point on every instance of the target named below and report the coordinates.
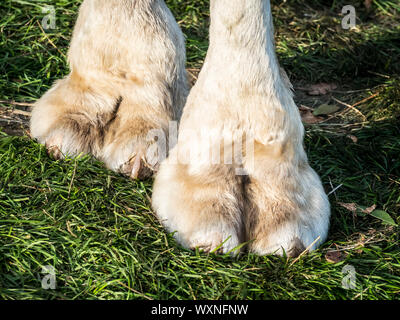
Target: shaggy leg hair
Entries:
(127, 77)
(279, 204)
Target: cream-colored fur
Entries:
(128, 77)
(242, 94)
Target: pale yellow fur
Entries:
(279, 204)
(128, 77)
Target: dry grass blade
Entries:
(305, 251)
(350, 107)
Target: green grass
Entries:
(96, 228)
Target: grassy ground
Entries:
(96, 228)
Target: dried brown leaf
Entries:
(335, 256)
(307, 115)
(370, 209)
(349, 206)
(321, 89)
(353, 138)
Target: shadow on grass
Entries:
(368, 170)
